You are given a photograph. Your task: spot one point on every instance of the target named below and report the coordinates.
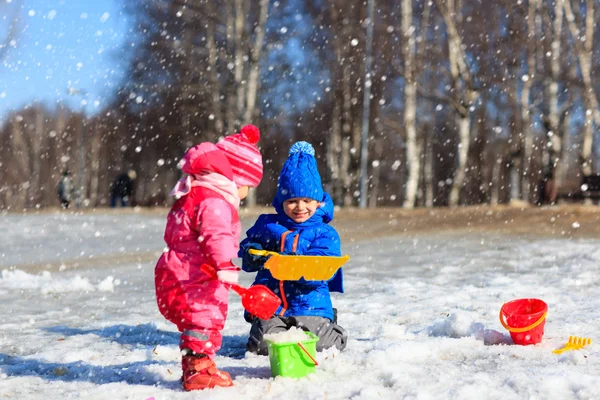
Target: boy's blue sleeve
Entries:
(251, 263)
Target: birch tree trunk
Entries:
(213, 75)
(376, 172)
(37, 139)
(424, 146)
(504, 177)
(464, 136)
(53, 152)
(428, 169)
(238, 58)
(21, 149)
(97, 148)
(584, 54)
(230, 90)
(556, 137)
(243, 66)
(252, 80)
(333, 152)
(592, 113)
(463, 93)
(527, 145)
(413, 153)
(255, 53)
(339, 147)
(572, 175)
(82, 180)
(351, 142)
(516, 145)
(345, 167)
(345, 98)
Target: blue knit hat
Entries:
(299, 176)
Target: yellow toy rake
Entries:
(292, 268)
(574, 343)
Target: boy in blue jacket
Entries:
(299, 227)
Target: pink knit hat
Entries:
(243, 155)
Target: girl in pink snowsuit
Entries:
(203, 227)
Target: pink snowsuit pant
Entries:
(193, 301)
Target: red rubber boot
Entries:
(202, 373)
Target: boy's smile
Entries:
(300, 209)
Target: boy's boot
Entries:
(200, 372)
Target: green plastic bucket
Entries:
(291, 360)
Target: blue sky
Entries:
(61, 44)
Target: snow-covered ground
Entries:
(421, 312)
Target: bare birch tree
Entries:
(255, 59)
(345, 142)
(21, 149)
(463, 93)
(552, 82)
(584, 49)
(528, 80)
(413, 152)
(95, 154)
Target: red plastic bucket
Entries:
(525, 320)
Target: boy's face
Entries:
(300, 209)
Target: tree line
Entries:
(469, 101)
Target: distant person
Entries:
(300, 226)
(203, 227)
(547, 190)
(122, 189)
(65, 189)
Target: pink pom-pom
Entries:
(251, 132)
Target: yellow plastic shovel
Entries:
(292, 268)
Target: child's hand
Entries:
(251, 259)
(228, 275)
(228, 272)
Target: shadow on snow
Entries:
(143, 334)
(132, 373)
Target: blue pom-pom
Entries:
(302, 147)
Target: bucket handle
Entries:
(308, 354)
(520, 330)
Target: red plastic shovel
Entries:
(258, 300)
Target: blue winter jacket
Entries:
(315, 238)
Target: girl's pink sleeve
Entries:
(214, 223)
